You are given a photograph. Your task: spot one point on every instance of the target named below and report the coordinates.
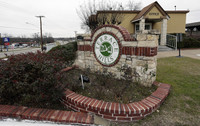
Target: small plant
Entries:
(104, 86)
(129, 72)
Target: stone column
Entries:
(163, 39)
(142, 25)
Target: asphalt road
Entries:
(18, 51)
(193, 53)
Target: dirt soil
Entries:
(105, 87)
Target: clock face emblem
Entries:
(106, 49)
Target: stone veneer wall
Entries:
(137, 54)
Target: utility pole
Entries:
(75, 35)
(1, 42)
(41, 30)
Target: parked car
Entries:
(14, 45)
(25, 45)
(21, 46)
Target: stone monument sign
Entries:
(113, 49)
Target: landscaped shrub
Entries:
(31, 80)
(189, 42)
(65, 53)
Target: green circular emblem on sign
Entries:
(106, 49)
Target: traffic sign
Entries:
(6, 39)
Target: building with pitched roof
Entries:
(153, 17)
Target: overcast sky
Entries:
(17, 17)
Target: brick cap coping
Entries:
(39, 114)
(127, 50)
(116, 111)
(126, 35)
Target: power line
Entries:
(31, 24)
(17, 8)
(17, 28)
(21, 10)
(14, 8)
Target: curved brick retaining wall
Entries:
(39, 114)
(116, 111)
(108, 110)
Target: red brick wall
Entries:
(117, 111)
(126, 35)
(45, 114)
(126, 50)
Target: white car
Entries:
(14, 45)
(25, 45)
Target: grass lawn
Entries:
(182, 106)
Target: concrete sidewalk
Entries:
(192, 53)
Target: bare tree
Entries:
(36, 38)
(7, 35)
(94, 14)
(48, 38)
(85, 13)
(133, 5)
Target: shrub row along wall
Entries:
(118, 52)
(117, 111)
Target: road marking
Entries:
(198, 54)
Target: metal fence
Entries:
(172, 41)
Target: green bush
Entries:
(31, 79)
(66, 52)
(34, 79)
(189, 42)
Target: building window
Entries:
(137, 27)
(148, 26)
